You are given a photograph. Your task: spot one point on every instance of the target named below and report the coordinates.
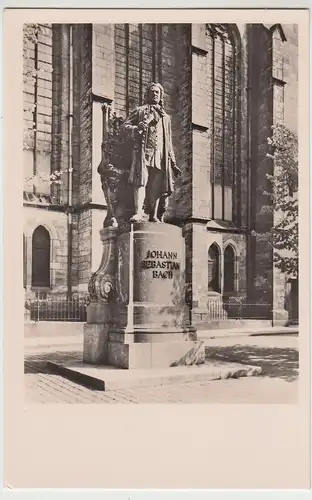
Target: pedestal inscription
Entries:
(150, 281)
(150, 326)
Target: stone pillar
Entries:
(280, 314)
(138, 317)
(102, 288)
(152, 327)
(28, 262)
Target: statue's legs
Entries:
(162, 207)
(139, 196)
(110, 219)
(153, 193)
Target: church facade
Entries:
(224, 87)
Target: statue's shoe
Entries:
(154, 219)
(112, 222)
(137, 218)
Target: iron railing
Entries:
(248, 310)
(232, 308)
(57, 308)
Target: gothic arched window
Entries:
(222, 53)
(41, 244)
(213, 269)
(229, 270)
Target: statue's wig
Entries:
(147, 91)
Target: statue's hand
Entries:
(142, 127)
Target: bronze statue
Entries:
(153, 160)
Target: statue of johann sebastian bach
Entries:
(153, 160)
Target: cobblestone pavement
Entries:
(278, 385)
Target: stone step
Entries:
(106, 378)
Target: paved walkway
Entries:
(277, 355)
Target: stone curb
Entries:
(211, 370)
(216, 334)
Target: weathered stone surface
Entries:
(95, 343)
(155, 354)
(151, 284)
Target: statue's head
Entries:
(154, 94)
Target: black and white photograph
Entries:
(160, 205)
(156, 251)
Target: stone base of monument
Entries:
(156, 349)
(109, 378)
(138, 318)
(155, 354)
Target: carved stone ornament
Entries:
(110, 179)
(114, 166)
(101, 287)
(102, 284)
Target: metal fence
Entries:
(56, 308)
(237, 309)
(60, 308)
(248, 310)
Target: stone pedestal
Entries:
(139, 301)
(102, 287)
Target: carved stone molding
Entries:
(102, 284)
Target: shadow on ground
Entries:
(37, 363)
(276, 362)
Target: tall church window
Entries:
(224, 101)
(229, 270)
(41, 245)
(138, 49)
(213, 269)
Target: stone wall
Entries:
(42, 153)
(60, 109)
(180, 204)
(38, 110)
(56, 224)
(202, 123)
(273, 70)
(285, 110)
(84, 257)
(201, 242)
